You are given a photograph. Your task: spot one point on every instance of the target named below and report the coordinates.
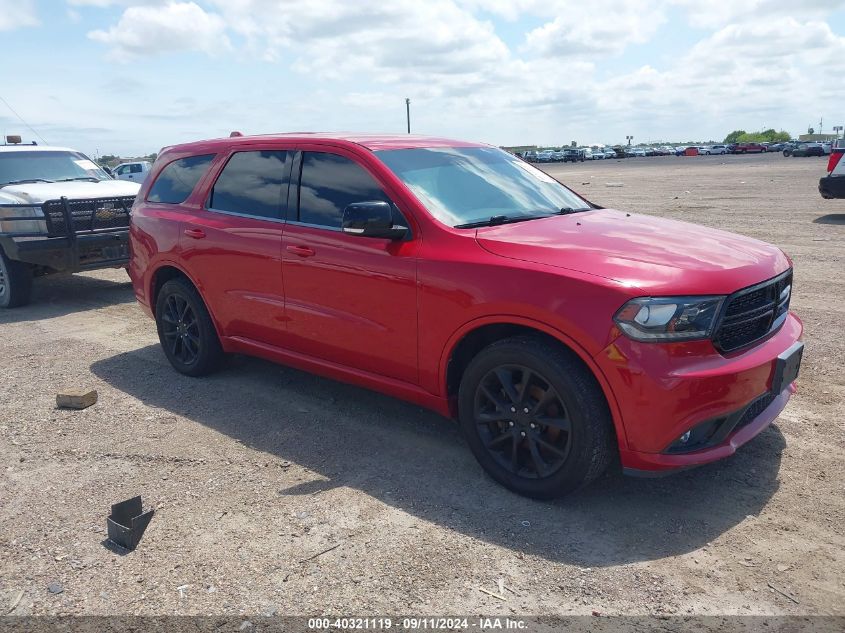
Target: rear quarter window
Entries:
(177, 180)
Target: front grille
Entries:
(754, 409)
(751, 313)
(86, 215)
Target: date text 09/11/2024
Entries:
(417, 624)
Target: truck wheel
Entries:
(535, 417)
(185, 329)
(15, 282)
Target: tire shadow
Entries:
(417, 461)
(830, 218)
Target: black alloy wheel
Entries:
(180, 329)
(185, 329)
(535, 417)
(522, 421)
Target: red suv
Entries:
(459, 277)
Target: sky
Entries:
(128, 77)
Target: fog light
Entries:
(685, 437)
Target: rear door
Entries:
(232, 244)
(350, 300)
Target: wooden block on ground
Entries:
(76, 398)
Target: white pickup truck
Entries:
(136, 171)
(59, 212)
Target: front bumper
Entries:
(664, 390)
(90, 251)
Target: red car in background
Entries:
(561, 335)
(749, 148)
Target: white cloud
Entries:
(595, 28)
(717, 13)
(398, 41)
(15, 14)
(175, 26)
(754, 74)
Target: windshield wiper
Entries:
(496, 220)
(25, 181)
(89, 178)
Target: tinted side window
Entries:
(135, 168)
(176, 181)
(252, 183)
(328, 184)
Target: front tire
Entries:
(535, 417)
(185, 329)
(15, 282)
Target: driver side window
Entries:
(328, 183)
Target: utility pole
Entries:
(408, 113)
(629, 139)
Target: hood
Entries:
(38, 192)
(656, 255)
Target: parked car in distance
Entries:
(434, 270)
(530, 156)
(833, 185)
(135, 171)
(59, 212)
(545, 156)
(749, 148)
(804, 149)
(775, 147)
(715, 149)
(635, 152)
(572, 155)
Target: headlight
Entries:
(20, 211)
(21, 225)
(669, 318)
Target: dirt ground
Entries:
(256, 472)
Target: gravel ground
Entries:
(280, 492)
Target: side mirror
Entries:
(373, 218)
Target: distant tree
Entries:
(766, 136)
(810, 130)
(733, 137)
(151, 157)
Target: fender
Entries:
(168, 263)
(510, 319)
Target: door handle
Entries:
(197, 234)
(302, 251)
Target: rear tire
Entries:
(549, 431)
(185, 329)
(15, 282)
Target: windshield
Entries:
(47, 166)
(462, 185)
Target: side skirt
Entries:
(388, 386)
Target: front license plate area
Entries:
(787, 367)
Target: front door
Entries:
(350, 300)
